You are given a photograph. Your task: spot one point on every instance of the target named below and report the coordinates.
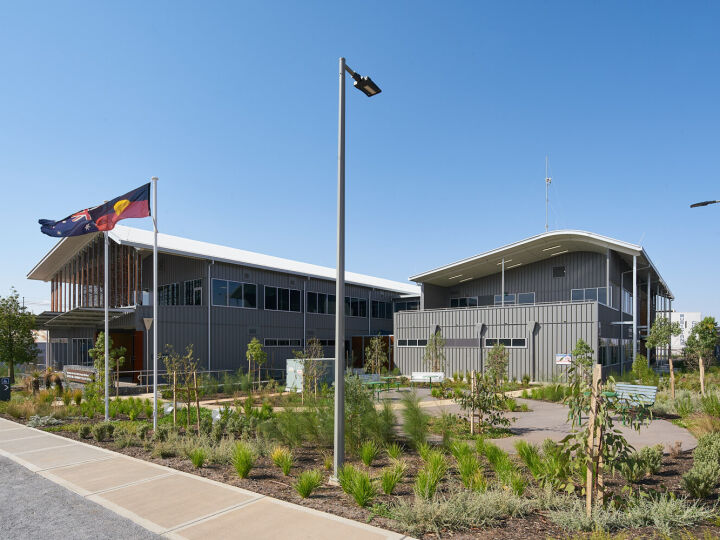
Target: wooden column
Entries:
(129, 275)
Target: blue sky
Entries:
(234, 106)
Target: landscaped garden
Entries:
(417, 473)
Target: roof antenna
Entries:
(548, 181)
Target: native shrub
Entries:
(651, 458)
(307, 482)
(394, 451)
(700, 481)
(369, 452)
(197, 457)
(362, 489)
(390, 477)
(84, 431)
(415, 420)
(430, 476)
(243, 459)
(282, 458)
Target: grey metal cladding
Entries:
(558, 328)
(583, 269)
(183, 325)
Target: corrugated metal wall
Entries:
(548, 329)
(582, 269)
(233, 328)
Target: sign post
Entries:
(5, 389)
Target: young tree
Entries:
(256, 355)
(435, 352)
(375, 355)
(183, 368)
(313, 368)
(17, 343)
(701, 346)
(497, 363)
(484, 399)
(661, 334)
(116, 359)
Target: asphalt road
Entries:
(33, 507)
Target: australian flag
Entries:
(135, 204)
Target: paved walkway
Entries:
(170, 502)
(549, 421)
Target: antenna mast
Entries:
(548, 181)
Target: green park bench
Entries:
(631, 396)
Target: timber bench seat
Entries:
(426, 377)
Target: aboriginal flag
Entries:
(135, 204)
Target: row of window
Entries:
(519, 298)
(321, 303)
(244, 295)
(412, 342)
(234, 294)
(169, 295)
(411, 305)
(511, 343)
(592, 294)
(496, 300)
(278, 342)
(381, 310)
(281, 299)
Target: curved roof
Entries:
(534, 249)
(176, 245)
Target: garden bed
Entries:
(267, 479)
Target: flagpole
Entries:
(155, 303)
(107, 333)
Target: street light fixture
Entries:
(704, 203)
(369, 88)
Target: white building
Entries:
(687, 320)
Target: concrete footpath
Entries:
(170, 502)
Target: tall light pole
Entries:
(369, 88)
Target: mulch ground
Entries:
(267, 479)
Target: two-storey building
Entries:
(214, 297)
(537, 297)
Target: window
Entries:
(283, 296)
(468, 301)
(280, 299)
(270, 298)
(312, 303)
(627, 301)
(193, 292)
(510, 343)
(509, 299)
(234, 294)
(169, 295)
(355, 307)
(558, 271)
(592, 294)
(219, 292)
(526, 298)
(79, 352)
(249, 295)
